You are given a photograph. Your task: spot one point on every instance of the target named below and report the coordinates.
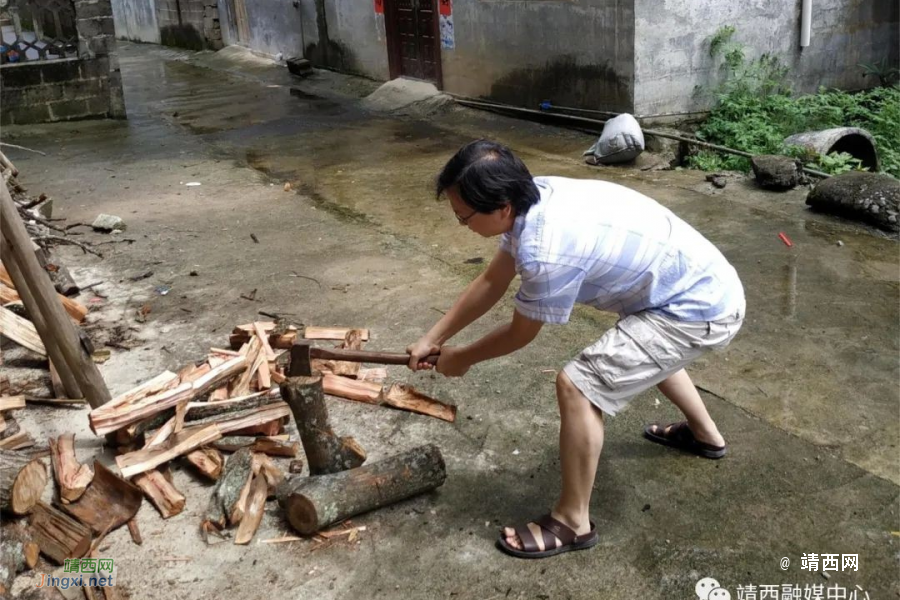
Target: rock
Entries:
(108, 223)
(869, 197)
(298, 66)
(840, 243)
(774, 172)
(717, 180)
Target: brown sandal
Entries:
(557, 538)
(679, 435)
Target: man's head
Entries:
(488, 186)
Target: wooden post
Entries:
(59, 328)
(53, 351)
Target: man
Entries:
(607, 246)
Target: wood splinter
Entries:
(71, 476)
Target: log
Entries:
(256, 504)
(12, 402)
(325, 452)
(179, 443)
(135, 532)
(314, 503)
(236, 476)
(332, 333)
(18, 552)
(244, 419)
(76, 310)
(108, 503)
(16, 442)
(209, 461)
(352, 341)
(204, 410)
(406, 397)
(265, 445)
(161, 493)
(162, 382)
(22, 481)
(106, 421)
(59, 535)
(21, 331)
(360, 391)
(71, 476)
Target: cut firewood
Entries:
(208, 461)
(281, 338)
(17, 441)
(21, 331)
(332, 333)
(161, 493)
(108, 503)
(71, 476)
(22, 481)
(266, 466)
(253, 513)
(325, 451)
(61, 401)
(405, 397)
(375, 375)
(352, 341)
(360, 391)
(75, 309)
(58, 535)
(7, 295)
(12, 402)
(104, 421)
(134, 531)
(313, 503)
(266, 445)
(263, 374)
(236, 476)
(269, 429)
(162, 382)
(161, 434)
(232, 422)
(178, 444)
(251, 351)
(203, 410)
(8, 426)
(264, 340)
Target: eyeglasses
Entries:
(464, 220)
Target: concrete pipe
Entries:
(856, 142)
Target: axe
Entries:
(302, 354)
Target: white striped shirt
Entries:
(610, 247)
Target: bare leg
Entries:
(681, 391)
(580, 442)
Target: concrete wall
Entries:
(346, 35)
(273, 26)
(136, 20)
(77, 88)
(192, 24)
(672, 44)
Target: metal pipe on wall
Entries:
(805, 22)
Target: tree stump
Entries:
(22, 480)
(325, 451)
(313, 503)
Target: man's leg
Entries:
(679, 388)
(580, 442)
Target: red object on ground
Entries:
(785, 239)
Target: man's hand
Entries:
(418, 351)
(452, 362)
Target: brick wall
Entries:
(190, 24)
(89, 86)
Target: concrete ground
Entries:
(807, 395)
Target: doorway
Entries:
(413, 39)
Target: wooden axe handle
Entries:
(381, 358)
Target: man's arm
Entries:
(484, 292)
(503, 340)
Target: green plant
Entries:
(886, 74)
(755, 111)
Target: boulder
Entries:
(774, 172)
(868, 197)
(108, 223)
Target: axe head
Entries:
(300, 360)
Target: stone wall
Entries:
(89, 86)
(192, 24)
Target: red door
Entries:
(413, 39)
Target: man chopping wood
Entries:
(607, 246)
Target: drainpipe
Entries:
(805, 22)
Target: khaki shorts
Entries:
(642, 350)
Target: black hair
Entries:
(488, 176)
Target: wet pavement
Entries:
(807, 395)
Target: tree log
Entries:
(325, 452)
(313, 503)
(18, 552)
(108, 503)
(161, 493)
(71, 476)
(22, 480)
(236, 477)
(59, 535)
(208, 461)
